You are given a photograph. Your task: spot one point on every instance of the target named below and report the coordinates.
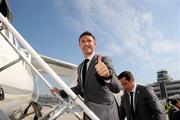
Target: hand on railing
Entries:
(62, 93)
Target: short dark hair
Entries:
(174, 101)
(87, 33)
(128, 75)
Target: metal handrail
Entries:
(39, 74)
(46, 67)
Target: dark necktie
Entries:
(132, 108)
(84, 70)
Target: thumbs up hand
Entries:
(101, 68)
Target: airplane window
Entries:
(15, 43)
(7, 33)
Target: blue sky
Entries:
(142, 36)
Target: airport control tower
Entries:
(165, 86)
(162, 79)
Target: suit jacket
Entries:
(96, 92)
(171, 112)
(147, 105)
(176, 115)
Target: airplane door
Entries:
(1, 93)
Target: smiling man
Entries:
(96, 80)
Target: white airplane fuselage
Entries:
(16, 80)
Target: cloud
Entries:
(147, 18)
(165, 46)
(124, 31)
(112, 50)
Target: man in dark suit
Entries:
(174, 112)
(97, 85)
(138, 102)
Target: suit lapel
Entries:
(136, 96)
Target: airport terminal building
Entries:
(165, 86)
